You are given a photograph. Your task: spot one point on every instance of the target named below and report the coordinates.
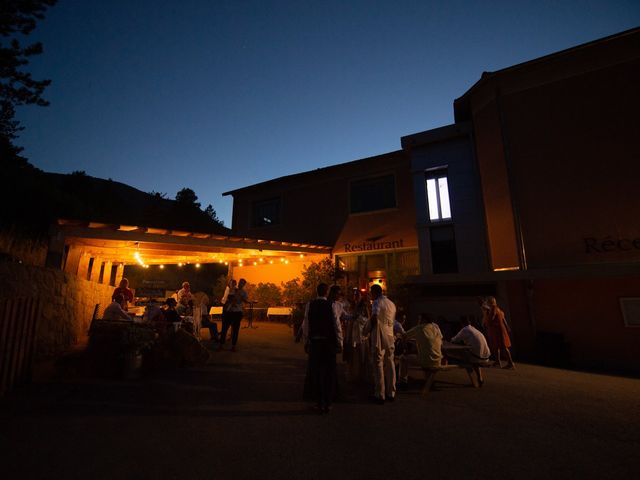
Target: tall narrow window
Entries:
(438, 194)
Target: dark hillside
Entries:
(32, 199)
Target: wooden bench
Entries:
(430, 375)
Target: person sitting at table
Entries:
(184, 297)
(428, 339)
(152, 312)
(124, 290)
(115, 310)
(170, 313)
(479, 353)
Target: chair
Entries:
(94, 317)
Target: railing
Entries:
(18, 323)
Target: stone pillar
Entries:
(106, 277)
(74, 257)
(83, 266)
(95, 269)
(119, 274)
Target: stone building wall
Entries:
(67, 303)
(18, 247)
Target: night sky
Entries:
(217, 95)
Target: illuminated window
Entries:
(438, 194)
(266, 212)
(373, 194)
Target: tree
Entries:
(292, 292)
(18, 18)
(267, 295)
(211, 213)
(317, 272)
(186, 196)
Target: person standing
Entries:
(184, 297)
(383, 314)
(323, 341)
(357, 361)
(497, 331)
(124, 290)
(233, 315)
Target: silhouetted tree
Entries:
(186, 196)
(17, 19)
(211, 213)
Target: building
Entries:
(551, 148)
(364, 210)
(531, 196)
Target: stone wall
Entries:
(26, 249)
(67, 303)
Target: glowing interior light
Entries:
(443, 189)
(432, 199)
(197, 265)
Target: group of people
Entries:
(367, 333)
(181, 304)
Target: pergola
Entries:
(79, 247)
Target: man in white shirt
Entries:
(383, 314)
(428, 339)
(480, 352)
(115, 310)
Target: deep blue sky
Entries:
(217, 95)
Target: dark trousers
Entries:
(322, 371)
(230, 319)
(212, 326)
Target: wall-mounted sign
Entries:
(609, 244)
(370, 244)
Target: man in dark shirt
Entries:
(323, 340)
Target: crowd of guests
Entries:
(180, 306)
(369, 332)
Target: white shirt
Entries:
(475, 339)
(305, 324)
(115, 312)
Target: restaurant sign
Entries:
(373, 243)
